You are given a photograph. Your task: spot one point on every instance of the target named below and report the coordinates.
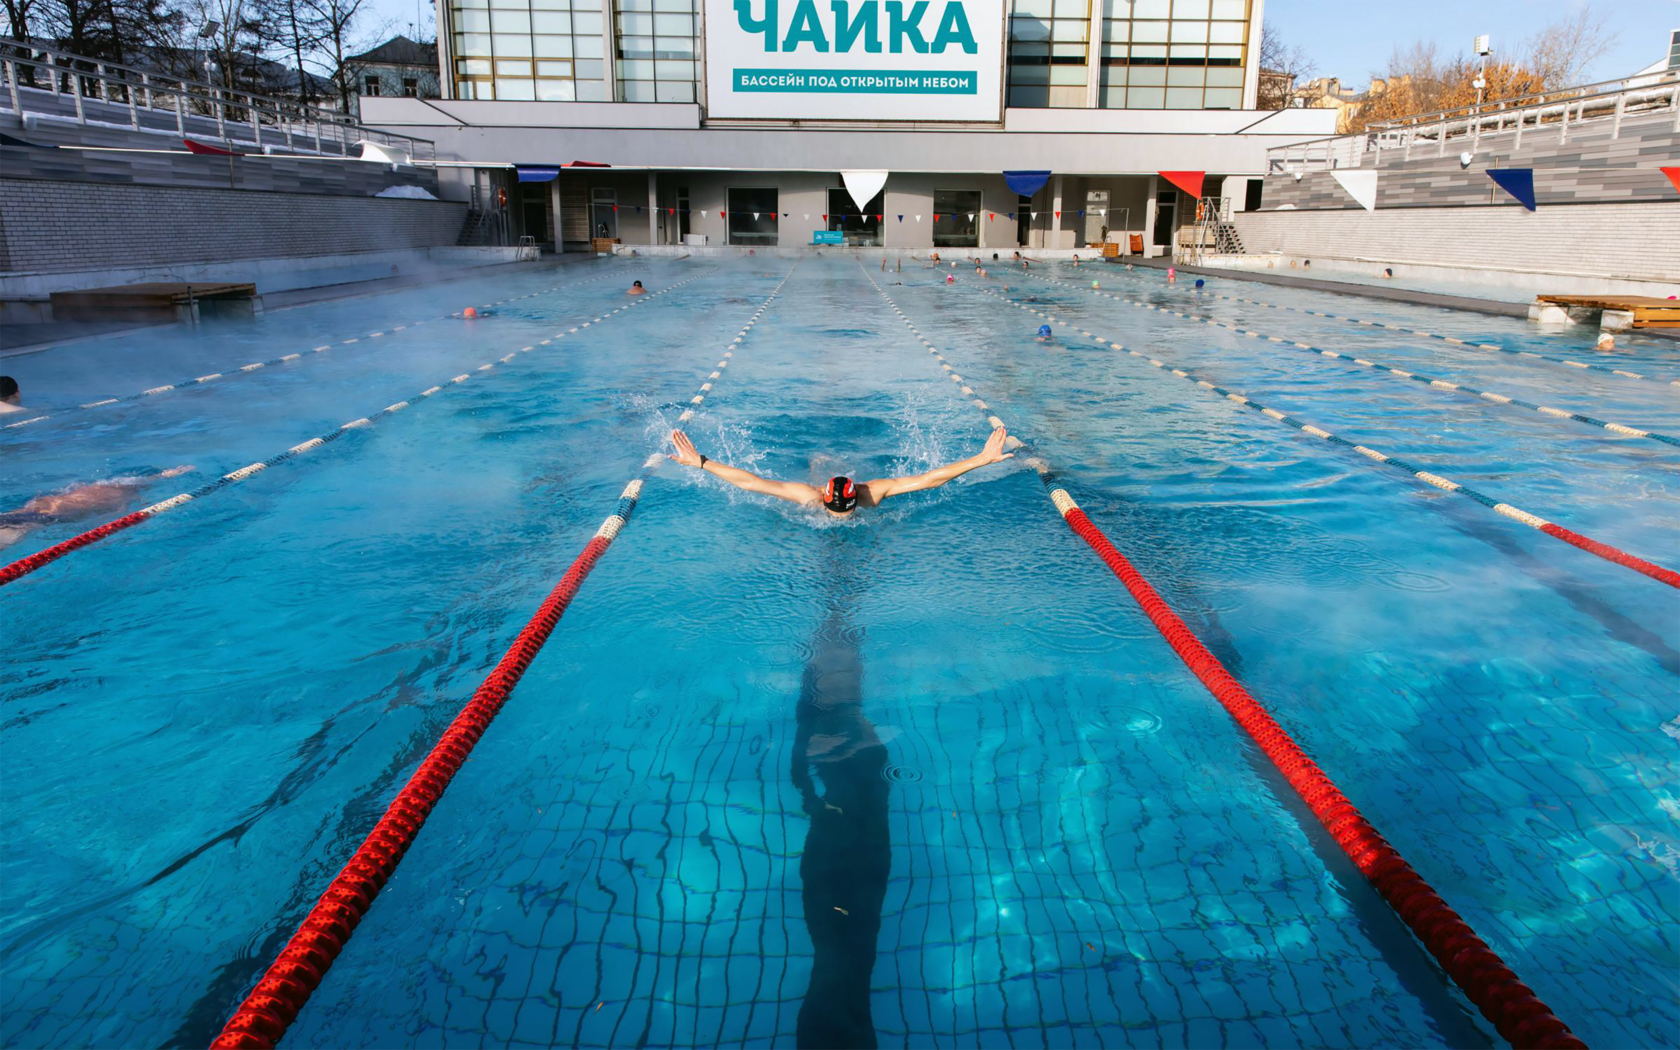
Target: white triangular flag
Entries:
(755, 216)
(862, 186)
(1103, 212)
(970, 216)
(918, 218)
(702, 213)
(1360, 185)
(807, 216)
(1034, 214)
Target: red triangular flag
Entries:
(825, 216)
(1058, 215)
(877, 216)
(723, 214)
(670, 211)
(935, 216)
(1188, 181)
(1673, 176)
(615, 209)
(991, 216)
(208, 151)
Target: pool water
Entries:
(925, 777)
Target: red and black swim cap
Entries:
(841, 495)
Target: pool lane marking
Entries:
(1512, 1006)
(1534, 521)
(282, 991)
(285, 359)
(24, 566)
(1431, 381)
(1626, 374)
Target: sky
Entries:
(1325, 29)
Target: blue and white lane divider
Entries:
(1387, 369)
(29, 564)
(1674, 384)
(1534, 521)
(288, 358)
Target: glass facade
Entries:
(1154, 54)
(1173, 54)
(657, 61)
(546, 50)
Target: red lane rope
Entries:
(1609, 553)
(1511, 1005)
(1516, 1012)
(25, 566)
(272, 1006)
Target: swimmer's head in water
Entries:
(8, 390)
(840, 495)
(636, 284)
(1044, 331)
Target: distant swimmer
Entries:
(80, 501)
(1043, 333)
(841, 495)
(10, 399)
(637, 289)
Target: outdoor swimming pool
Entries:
(926, 777)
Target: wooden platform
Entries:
(157, 301)
(1648, 311)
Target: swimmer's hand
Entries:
(175, 472)
(686, 453)
(993, 452)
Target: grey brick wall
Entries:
(49, 226)
(1590, 166)
(1611, 240)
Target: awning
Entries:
(1026, 183)
(536, 172)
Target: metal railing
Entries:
(59, 84)
(1559, 113)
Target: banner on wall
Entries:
(857, 60)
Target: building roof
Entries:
(400, 51)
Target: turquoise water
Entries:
(926, 777)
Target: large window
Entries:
(1048, 49)
(752, 217)
(860, 228)
(548, 50)
(656, 61)
(1173, 54)
(956, 221)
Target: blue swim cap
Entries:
(1043, 329)
(1199, 282)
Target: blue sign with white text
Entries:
(827, 237)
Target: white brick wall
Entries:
(1639, 241)
(82, 226)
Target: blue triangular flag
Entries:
(901, 218)
(1518, 182)
(1011, 216)
(1081, 213)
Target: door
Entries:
(1166, 207)
(603, 212)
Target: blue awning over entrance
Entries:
(536, 173)
(1026, 183)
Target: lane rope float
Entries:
(24, 566)
(1513, 1008)
(263, 1017)
(1387, 369)
(285, 359)
(1466, 343)
(1557, 532)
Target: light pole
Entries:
(1482, 48)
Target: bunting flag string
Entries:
(755, 216)
(1518, 182)
(1058, 215)
(1360, 184)
(825, 216)
(877, 216)
(1034, 216)
(1188, 181)
(991, 216)
(970, 216)
(935, 216)
(722, 214)
(918, 218)
(901, 218)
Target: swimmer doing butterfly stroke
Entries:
(841, 495)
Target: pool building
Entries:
(737, 123)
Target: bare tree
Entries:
(1277, 57)
(1561, 53)
(294, 30)
(18, 13)
(345, 32)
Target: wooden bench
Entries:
(603, 244)
(157, 302)
(1647, 311)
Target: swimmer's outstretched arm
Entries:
(876, 491)
(792, 491)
